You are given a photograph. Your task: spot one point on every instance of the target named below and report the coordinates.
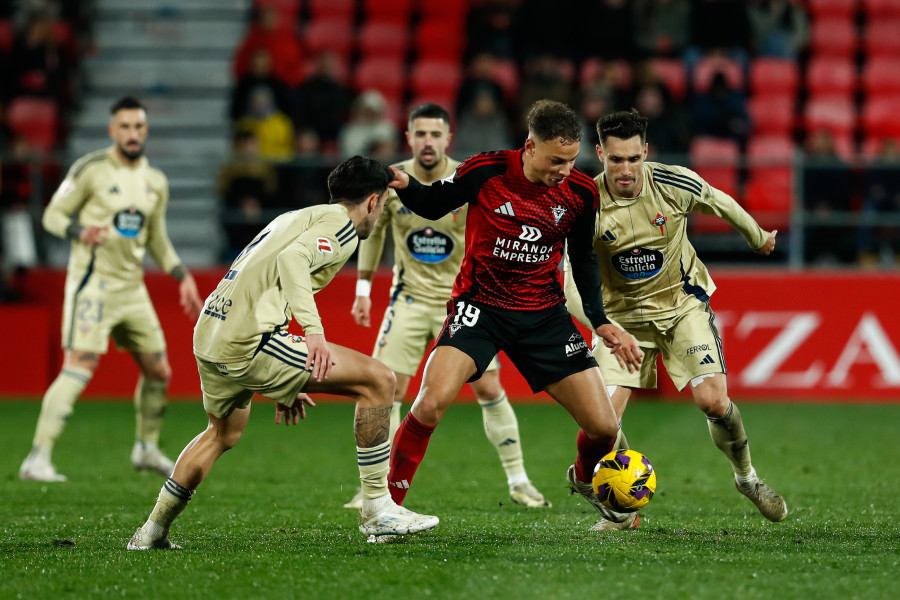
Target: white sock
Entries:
(746, 479)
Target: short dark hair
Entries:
(357, 178)
(126, 103)
(549, 120)
(429, 111)
(623, 125)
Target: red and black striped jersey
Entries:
(516, 231)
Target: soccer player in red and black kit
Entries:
(524, 205)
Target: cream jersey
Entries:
(649, 268)
(427, 254)
(131, 201)
(273, 279)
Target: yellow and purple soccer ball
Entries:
(624, 480)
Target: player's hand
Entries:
(767, 248)
(295, 412)
(401, 179)
(362, 311)
(318, 353)
(94, 235)
(190, 297)
(623, 345)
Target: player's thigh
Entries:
(583, 395)
(614, 374)
(474, 330)
(137, 327)
(406, 331)
(545, 346)
(87, 318)
(693, 346)
(222, 394)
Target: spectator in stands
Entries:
(247, 184)
(38, 65)
(259, 76)
(667, 121)
(596, 99)
(324, 101)
(544, 78)
(827, 188)
(489, 29)
(270, 32)
(368, 126)
(269, 125)
(779, 28)
(881, 194)
(478, 81)
(482, 127)
(722, 112)
(662, 27)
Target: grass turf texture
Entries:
(268, 522)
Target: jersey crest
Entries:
(660, 221)
(558, 212)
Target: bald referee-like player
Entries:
(112, 206)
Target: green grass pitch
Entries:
(268, 522)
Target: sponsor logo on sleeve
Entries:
(66, 187)
(323, 245)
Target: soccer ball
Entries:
(624, 480)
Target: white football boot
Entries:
(526, 494)
(147, 457)
(152, 537)
(611, 520)
(381, 516)
(37, 467)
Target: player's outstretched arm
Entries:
(622, 345)
(767, 248)
(293, 413)
(362, 303)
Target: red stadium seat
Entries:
(840, 9)
(329, 35)
(772, 114)
(617, 72)
(394, 10)
(769, 203)
(36, 120)
(447, 10)
(882, 38)
(672, 74)
(881, 77)
(383, 74)
(439, 39)
(833, 37)
(382, 38)
(774, 76)
(716, 161)
(837, 115)
(340, 10)
(287, 9)
(6, 36)
(437, 77)
(707, 68)
(771, 161)
(871, 147)
(830, 77)
(880, 117)
(876, 9)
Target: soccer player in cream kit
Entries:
(112, 206)
(656, 288)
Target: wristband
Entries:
(363, 287)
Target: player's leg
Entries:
(502, 430)
(192, 467)
(150, 408)
(694, 355)
(371, 384)
(56, 407)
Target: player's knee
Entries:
(382, 383)
(602, 431)
(713, 406)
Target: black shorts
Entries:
(544, 345)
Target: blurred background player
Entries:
(656, 288)
(112, 205)
(241, 349)
(427, 255)
(523, 205)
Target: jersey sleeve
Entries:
(583, 265)
(310, 252)
(158, 243)
(371, 249)
(438, 199)
(573, 298)
(68, 199)
(712, 201)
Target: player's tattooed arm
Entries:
(372, 426)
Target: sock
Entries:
(172, 499)
(56, 406)
(621, 440)
(150, 408)
(728, 434)
(502, 430)
(589, 454)
(374, 464)
(395, 419)
(409, 448)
